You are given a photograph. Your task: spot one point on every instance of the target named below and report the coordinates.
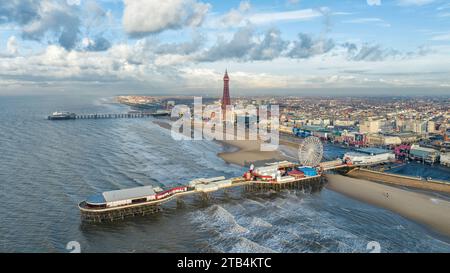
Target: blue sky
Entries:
(183, 46)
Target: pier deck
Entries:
(120, 212)
(116, 116)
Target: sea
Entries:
(48, 167)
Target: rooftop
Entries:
(374, 151)
(126, 194)
(424, 149)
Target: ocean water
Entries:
(47, 167)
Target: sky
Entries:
(278, 47)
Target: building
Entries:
(447, 135)
(416, 126)
(344, 123)
(405, 137)
(368, 156)
(445, 159)
(369, 126)
(286, 129)
(122, 197)
(226, 101)
(431, 127)
(423, 154)
(353, 138)
(383, 140)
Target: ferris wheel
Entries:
(310, 151)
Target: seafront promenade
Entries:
(399, 180)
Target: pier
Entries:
(130, 115)
(151, 207)
(138, 202)
(117, 116)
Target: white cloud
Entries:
(143, 17)
(244, 6)
(377, 21)
(414, 2)
(137, 64)
(293, 2)
(295, 15)
(364, 20)
(374, 2)
(443, 37)
(442, 15)
(73, 2)
(41, 20)
(235, 16)
(12, 46)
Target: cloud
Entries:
(368, 20)
(235, 16)
(295, 15)
(306, 47)
(232, 18)
(368, 52)
(134, 66)
(442, 37)
(183, 48)
(55, 18)
(39, 18)
(414, 2)
(246, 45)
(374, 2)
(293, 2)
(73, 2)
(144, 17)
(99, 43)
(271, 46)
(12, 46)
(238, 47)
(244, 6)
(19, 11)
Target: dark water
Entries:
(47, 167)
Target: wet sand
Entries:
(427, 210)
(248, 151)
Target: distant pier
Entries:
(114, 116)
(131, 115)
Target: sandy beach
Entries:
(248, 151)
(430, 211)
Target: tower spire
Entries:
(226, 93)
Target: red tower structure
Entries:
(226, 93)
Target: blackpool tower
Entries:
(226, 92)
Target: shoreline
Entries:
(241, 152)
(248, 152)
